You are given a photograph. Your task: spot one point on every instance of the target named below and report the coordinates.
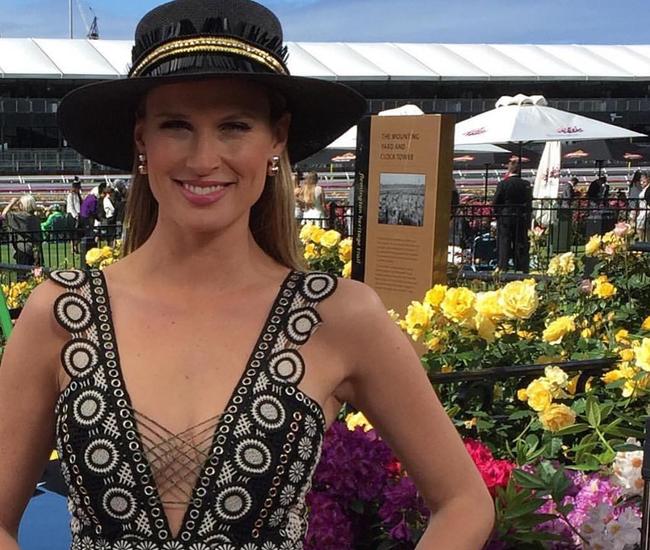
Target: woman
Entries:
(25, 226)
(313, 199)
(189, 385)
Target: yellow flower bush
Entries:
(326, 251)
(558, 329)
(593, 245)
(435, 295)
(538, 394)
(519, 299)
(642, 355)
(417, 319)
(103, 257)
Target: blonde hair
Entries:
(271, 221)
(309, 189)
(27, 203)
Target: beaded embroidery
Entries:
(256, 459)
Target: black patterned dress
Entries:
(247, 486)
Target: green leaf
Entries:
(572, 430)
(520, 414)
(527, 480)
(525, 508)
(593, 412)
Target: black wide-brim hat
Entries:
(187, 40)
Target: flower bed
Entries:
(560, 454)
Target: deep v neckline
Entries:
(128, 412)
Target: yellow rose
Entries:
(626, 354)
(562, 265)
(519, 299)
(418, 319)
(435, 295)
(330, 238)
(586, 333)
(603, 288)
(593, 245)
(310, 251)
(107, 252)
(539, 394)
(522, 394)
(556, 377)
(345, 250)
(458, 304)
(642, 355)
(622, 336)
(557, 416)
(316, 234)
(646, 323)
(94, 256)
(352, 421)
(435, 342)
(572, 385)
(485, 327)
(346, 272)
(488, 305)
(306, 231)
(558, 329)
(612, 376)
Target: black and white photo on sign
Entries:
(401, 199)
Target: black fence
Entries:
(483, 237)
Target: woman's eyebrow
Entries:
(170, 115)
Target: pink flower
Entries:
(621, 229)
(495, 473)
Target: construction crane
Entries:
(92, 30)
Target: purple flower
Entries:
(354, 464)
(329, 527)
(402, 506)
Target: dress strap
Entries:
(74, 311)
(301, 320)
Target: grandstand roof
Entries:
(99, 59)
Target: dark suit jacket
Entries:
(514, 195)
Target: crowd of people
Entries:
(83, 220)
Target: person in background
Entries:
(297, 193)
(26, 230)
(642, 221)
(73, 201)
(512, 204)
(53, 214)
(90, 214)
(313, 199)
(107, 222)
(633, 192)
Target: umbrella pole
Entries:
(599, 163)
(485, 194)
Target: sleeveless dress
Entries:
(249, 492)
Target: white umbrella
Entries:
(522, 119)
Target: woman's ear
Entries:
(281, 133)
(138, 135)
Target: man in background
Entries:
(512, 202)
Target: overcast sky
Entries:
(470, 21)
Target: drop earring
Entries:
(142, 166)
(274, 166)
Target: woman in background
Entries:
(313, 199)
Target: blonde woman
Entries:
(189, 385)
(20, 217)
(313, 199)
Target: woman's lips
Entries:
(203, 193)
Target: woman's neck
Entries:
(229, 258)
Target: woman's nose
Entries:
(204, 155)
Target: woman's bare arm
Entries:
(388, 383)
(28, 392)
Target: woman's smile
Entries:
(203, 193)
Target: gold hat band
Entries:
(209, 45)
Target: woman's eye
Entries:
(175, 125)
(235, 126)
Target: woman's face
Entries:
(208, 146)
(644, 181)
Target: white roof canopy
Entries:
(99, 59)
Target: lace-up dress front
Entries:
(242, 477)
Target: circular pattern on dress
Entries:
(71, 278)
(233, 503)
(268, 412)
(79, 357)
(318, 286)
(88, 408)
(101, 456)
(119, 503)
(253, 457)
(300, 324)
(73, 312)
(287, 366)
